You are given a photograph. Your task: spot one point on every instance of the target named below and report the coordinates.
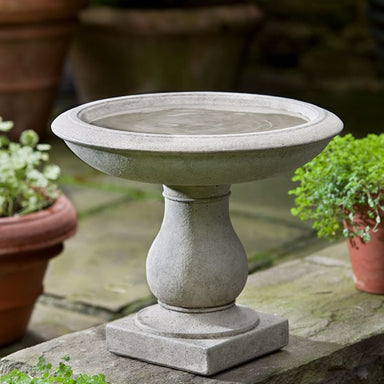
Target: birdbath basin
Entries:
(196, 144)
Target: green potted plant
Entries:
(342, 191)
(35, 219)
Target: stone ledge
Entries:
(337, 333)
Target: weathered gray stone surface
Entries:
(49, 321)
(107, 268)
(318, 296)
(267, 199)
(337, 333)
(88, 201)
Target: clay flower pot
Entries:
(34, 39)
(26, 245)
(136, 50)
(367, 259)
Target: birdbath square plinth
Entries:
(196, 144)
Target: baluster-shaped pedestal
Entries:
(196, 268)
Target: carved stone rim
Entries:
(76, 125)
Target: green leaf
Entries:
(5, 126)
(45, 374)
(4, 141)
(43, 147)
(52, 172)
(29, 138)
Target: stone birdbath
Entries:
(196, 144)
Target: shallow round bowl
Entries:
(196, 138)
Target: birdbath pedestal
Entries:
(196, 144)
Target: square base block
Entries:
(202, 356)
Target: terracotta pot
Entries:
(34, 39)
(26, 245)
(119, 51)
(367, 259)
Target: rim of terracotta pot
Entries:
(20, 11)
(172, 21)
(166, 3)
(40, 229)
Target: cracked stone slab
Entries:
(104, 264)
(268, 198)
(87, 200)
(89, 355)
(302, 361)
(48, 322)
(327, 261)
(337, 334)
(318, 296)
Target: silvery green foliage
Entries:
(345, 179)
(27, 180)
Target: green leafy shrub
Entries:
(27, 180)
(345, 179)
(45, 374)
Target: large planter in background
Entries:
(120, 51)
(34, 41)
(375, 14)
(367, 258)
(26, 245)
